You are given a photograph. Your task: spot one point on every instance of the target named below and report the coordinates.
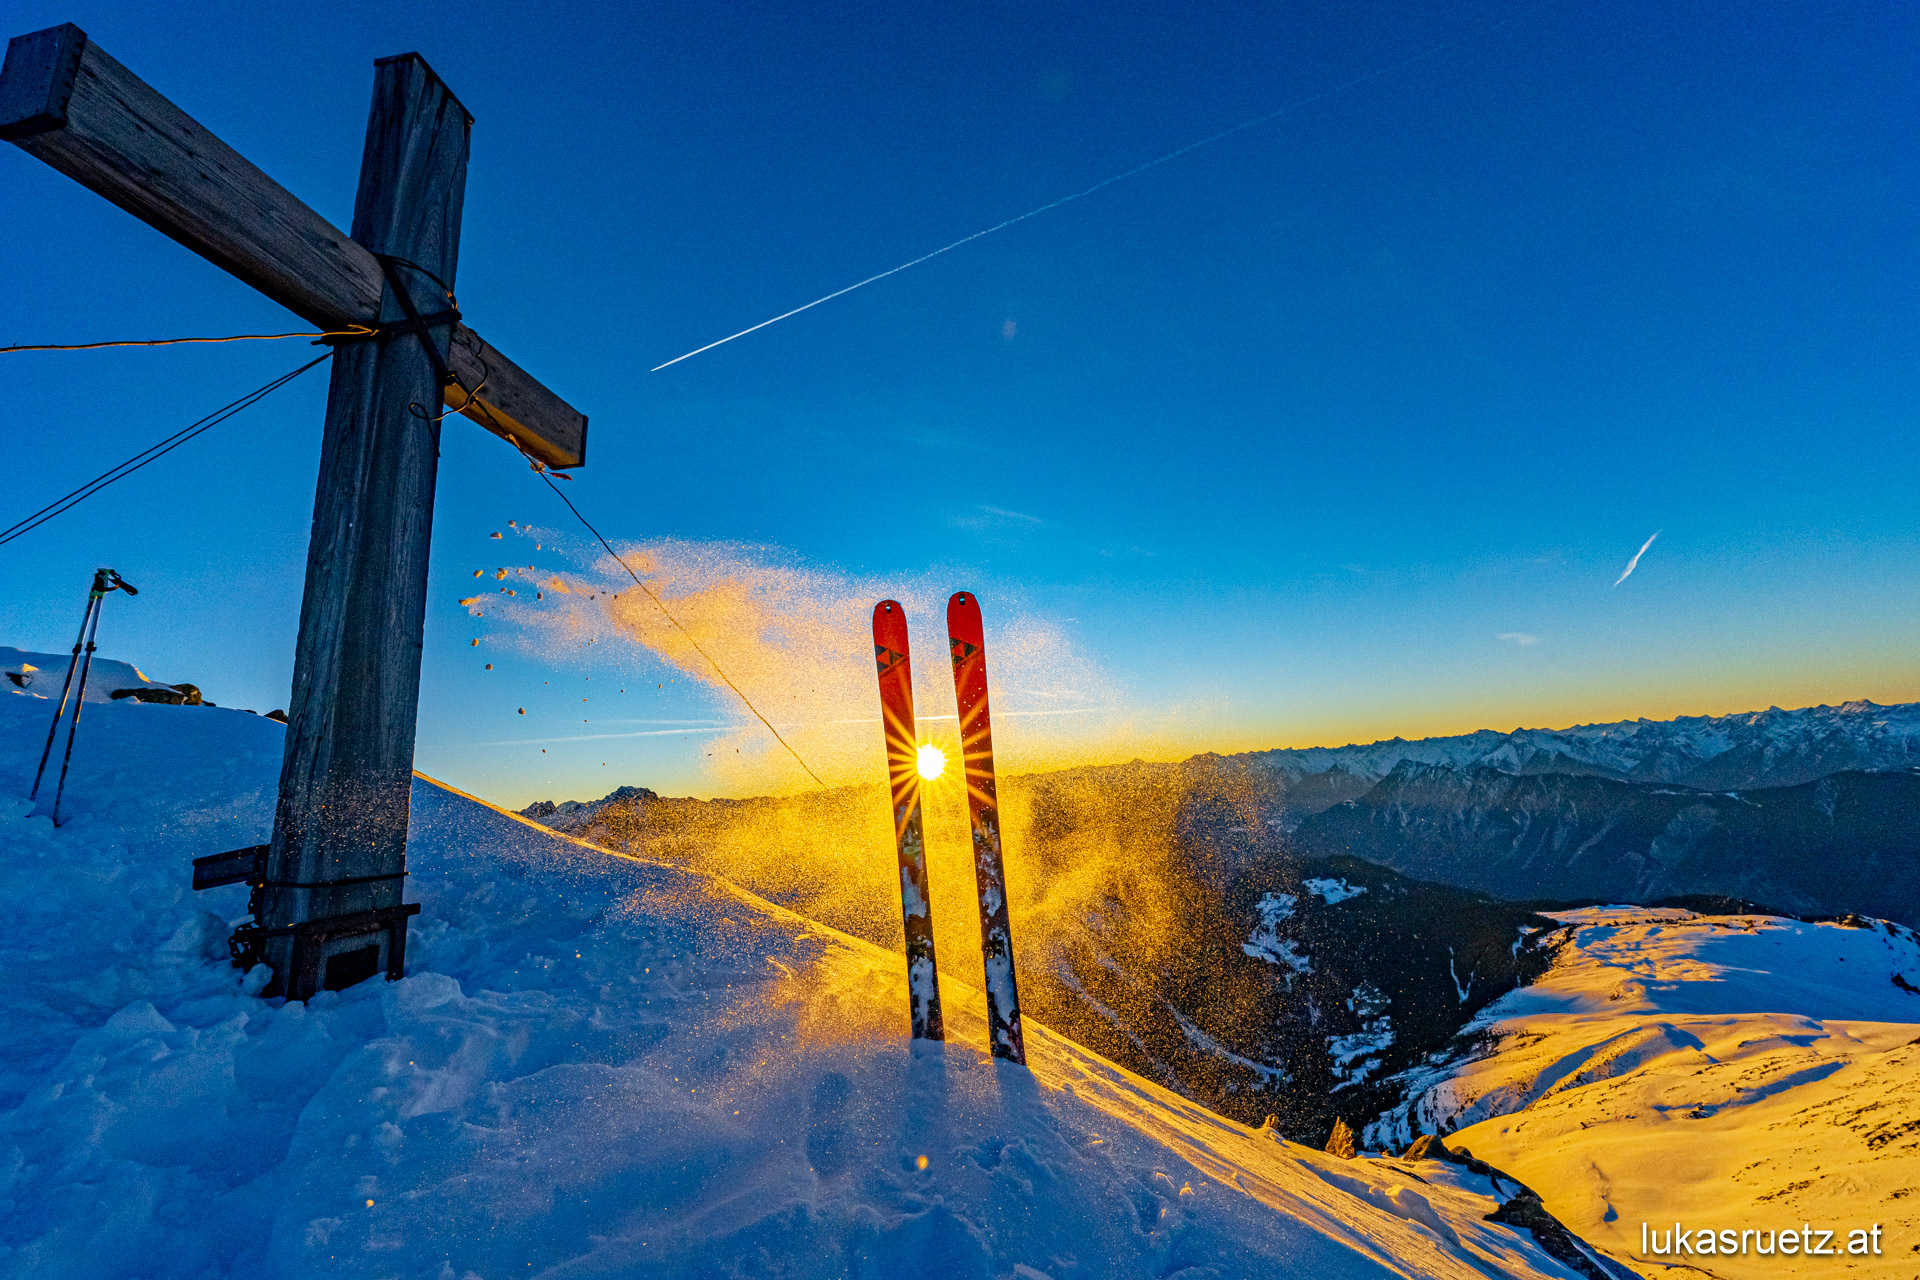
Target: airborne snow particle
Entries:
(473, 644)
(523, 711)
(489, 666)
(494, 534)
(478, 572)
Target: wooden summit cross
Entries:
(327, 909)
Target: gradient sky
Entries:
(1339, 428)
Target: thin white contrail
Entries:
(595, 737)
(1635, 562)
(1081, 195)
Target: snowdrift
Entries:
(598, 1066)
(1719, 1071)
(44, 673)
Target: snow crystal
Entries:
(1331, 891)
(1284, 951)
(1462, 989)
(1374, 1036)
(1265, 943)
(1275, 907)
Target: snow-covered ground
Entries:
(598, 1066)
(1724, 1072)
(46, 673)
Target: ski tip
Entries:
(963, 619)
(889, 630)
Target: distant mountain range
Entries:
(1771, 748)
(1814, 811)
(1848, 842)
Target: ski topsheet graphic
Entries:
(965, 635)
(903, 776)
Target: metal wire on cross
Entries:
(159, 449)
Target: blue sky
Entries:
(1277, 440)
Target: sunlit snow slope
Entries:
(46, 674)
(598, 1067)
(1730, 1072)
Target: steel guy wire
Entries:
(352, 331)
(661, 605)
(59, 506)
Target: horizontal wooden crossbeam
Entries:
(63, 99)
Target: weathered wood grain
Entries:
(65, 101)
(513, 405)
(346, 779)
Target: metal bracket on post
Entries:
(248, 864)
(415, 322)
(323, 955)
(331, 953)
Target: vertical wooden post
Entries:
(329, 912)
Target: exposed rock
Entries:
(1427, 1147)
(1340, 1142)
(277, 714)
(1526, 1211)
(176, 695)
(619, 807)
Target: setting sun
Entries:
(931, 760)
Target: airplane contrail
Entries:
(1102, 185)
(1635, 562)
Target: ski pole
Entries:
(104, 581)
(93, 600)
(79, 703)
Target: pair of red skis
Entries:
(969, 649)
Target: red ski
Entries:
(903, 775)
(969, 645)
